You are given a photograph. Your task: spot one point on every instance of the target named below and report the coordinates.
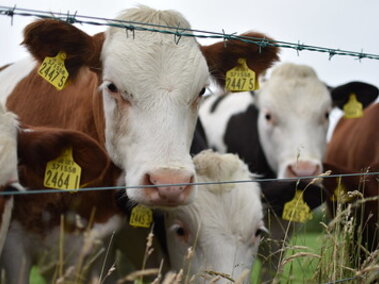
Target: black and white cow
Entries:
(279, 131)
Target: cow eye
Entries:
(202, 92)
(327, 115)
(112, 87)
(268, 116)
(179, 231)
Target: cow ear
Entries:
(48, 37)
(39, 146)
(223, 56)
(366, 93)
(277, 193)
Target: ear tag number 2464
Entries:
(63, 172)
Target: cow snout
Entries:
(172, 187)
(303, 168)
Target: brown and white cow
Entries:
(136, 95)
(354, 148)
(80, 222)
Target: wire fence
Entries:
(177, 32)
(312, 179)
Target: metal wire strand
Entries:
(177, 31)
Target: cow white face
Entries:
(294, 108)
(151, 93)
(222, 225)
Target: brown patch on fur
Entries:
(48, 37)
(354, 147)
(38, 103)
(222, 58)
(41, 212)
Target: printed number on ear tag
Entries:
(353, 108)
(63, 172)
(141, 216)
(297, 210)
(241, 78)
(54, 71)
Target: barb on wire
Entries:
(180, 32)
(322, 176)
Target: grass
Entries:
(316, 253)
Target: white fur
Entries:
(161, 81)
(222, 221)
(5, 221)
(297, 102)
(12, 75)
(8, 146)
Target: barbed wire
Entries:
(86, 189)
(177, 31)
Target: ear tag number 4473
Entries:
(241, 78)
(297, 210)
(54, 71)
(63, 172)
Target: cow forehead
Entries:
(144, 59)
(295, 94)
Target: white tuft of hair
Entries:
(212, 166)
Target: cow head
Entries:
(294, 107)
(224, 223)
(151, 86)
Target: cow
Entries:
(137, 95)
(354, 148)
(8, 175)
(222, 228)
(80, 221)
(279, 131)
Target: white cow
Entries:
(222, 227)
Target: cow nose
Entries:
(176, 189)
(303, 168)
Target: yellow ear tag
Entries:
(53, 70)
(353, 108)
(297, 210)
(63, 172)
(241, 78)
(340, 193)
(141, 216)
